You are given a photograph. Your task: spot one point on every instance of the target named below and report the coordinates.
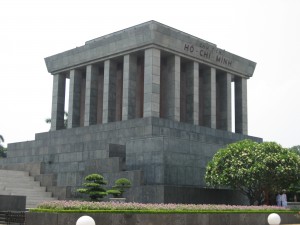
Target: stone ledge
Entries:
(158, 219)
(293, 205)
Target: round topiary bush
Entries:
(120, 187)
(93, 187)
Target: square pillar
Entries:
(119, 91)
(151, 82)
(209, 100)
(74, 98)
(192, 98)
(170, 88)
(91, 98)
(241, 114)
(224, 101)
(58, 102)
(129, 87)
(100, 95)
(139, 98)
(109, 91)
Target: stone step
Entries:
(19, 176)
(20, 183)
(5, 192)
(14, 173)
(29, 192)
(41, 199)
(26, 185)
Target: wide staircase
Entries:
(20, 183)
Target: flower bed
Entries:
(112, 213)
(113, 207)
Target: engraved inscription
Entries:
(207, 52)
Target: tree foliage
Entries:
(93, 187)
(48, 120)
(296, 149)
(255, 169)
(2, 148)
(295, 188)
(120, 187)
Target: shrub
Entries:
(94, 187)
(120, 187)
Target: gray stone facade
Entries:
(149, 103)
(154, 153)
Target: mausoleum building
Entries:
(149, 103)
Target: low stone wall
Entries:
(157, 219)
(294, 205)
(12, 203)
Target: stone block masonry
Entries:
(154, 153)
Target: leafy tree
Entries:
(2, 148)
(3, 152)
(255, 169)
(48, 120)
(120, 187)
(94, 187)
(295, 188)
(296, 149)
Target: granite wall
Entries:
(155, 154)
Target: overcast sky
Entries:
(264, 31)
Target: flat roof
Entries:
(147, 35)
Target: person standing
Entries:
(278, 199)
(284, 199)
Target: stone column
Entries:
(91, 98)
(151, 82)
(100, 95)
(82, 99)
(109, 91)
(139, 98)
(174, 73)
(224, 101)
(192, 99)
(170, 88)
(129, 87)
(209, 104)
(58, 102)
(241, 115)
(74, 98)
(119, 91)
